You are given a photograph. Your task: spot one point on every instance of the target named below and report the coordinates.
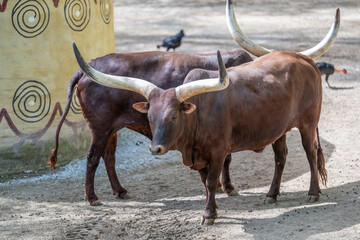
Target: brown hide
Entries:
(265, 99)
(108, 110)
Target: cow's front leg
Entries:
(203, 175)
(211, 184)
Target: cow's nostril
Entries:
(156, 150)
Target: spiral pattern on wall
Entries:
(106, 10)
(31, 101)
(75, 106)
(30, 17)
(77, 14)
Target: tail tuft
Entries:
(52, 159)
(321, 161)
(321, 166)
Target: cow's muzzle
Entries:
(157, 150)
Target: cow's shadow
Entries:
(337, 209)
(249, 169)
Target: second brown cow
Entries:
(107, 110)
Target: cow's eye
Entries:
(173, 117)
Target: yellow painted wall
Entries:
(36, 64)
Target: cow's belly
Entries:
(257, 138)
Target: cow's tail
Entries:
(73, 81)
(321, 161)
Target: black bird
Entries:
(173, 41)
(328, 69)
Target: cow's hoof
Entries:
(312, 198)
(233, 193)
(270, 200)
(208, 221)
(95, 203)
(124, 196)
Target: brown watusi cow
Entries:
(260, 101)
(108, 110)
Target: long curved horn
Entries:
(127, 83)
(258, 50)
(326, 43)
(239, 35)
(190, 89)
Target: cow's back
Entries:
(102, 104)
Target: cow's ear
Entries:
(188, 107)
(141, 107)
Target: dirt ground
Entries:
(167, 198)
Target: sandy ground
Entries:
(167, 198)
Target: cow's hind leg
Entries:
(311, 145)
(98, 144)
(109, 159)
(281, 151)
(227, 187)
